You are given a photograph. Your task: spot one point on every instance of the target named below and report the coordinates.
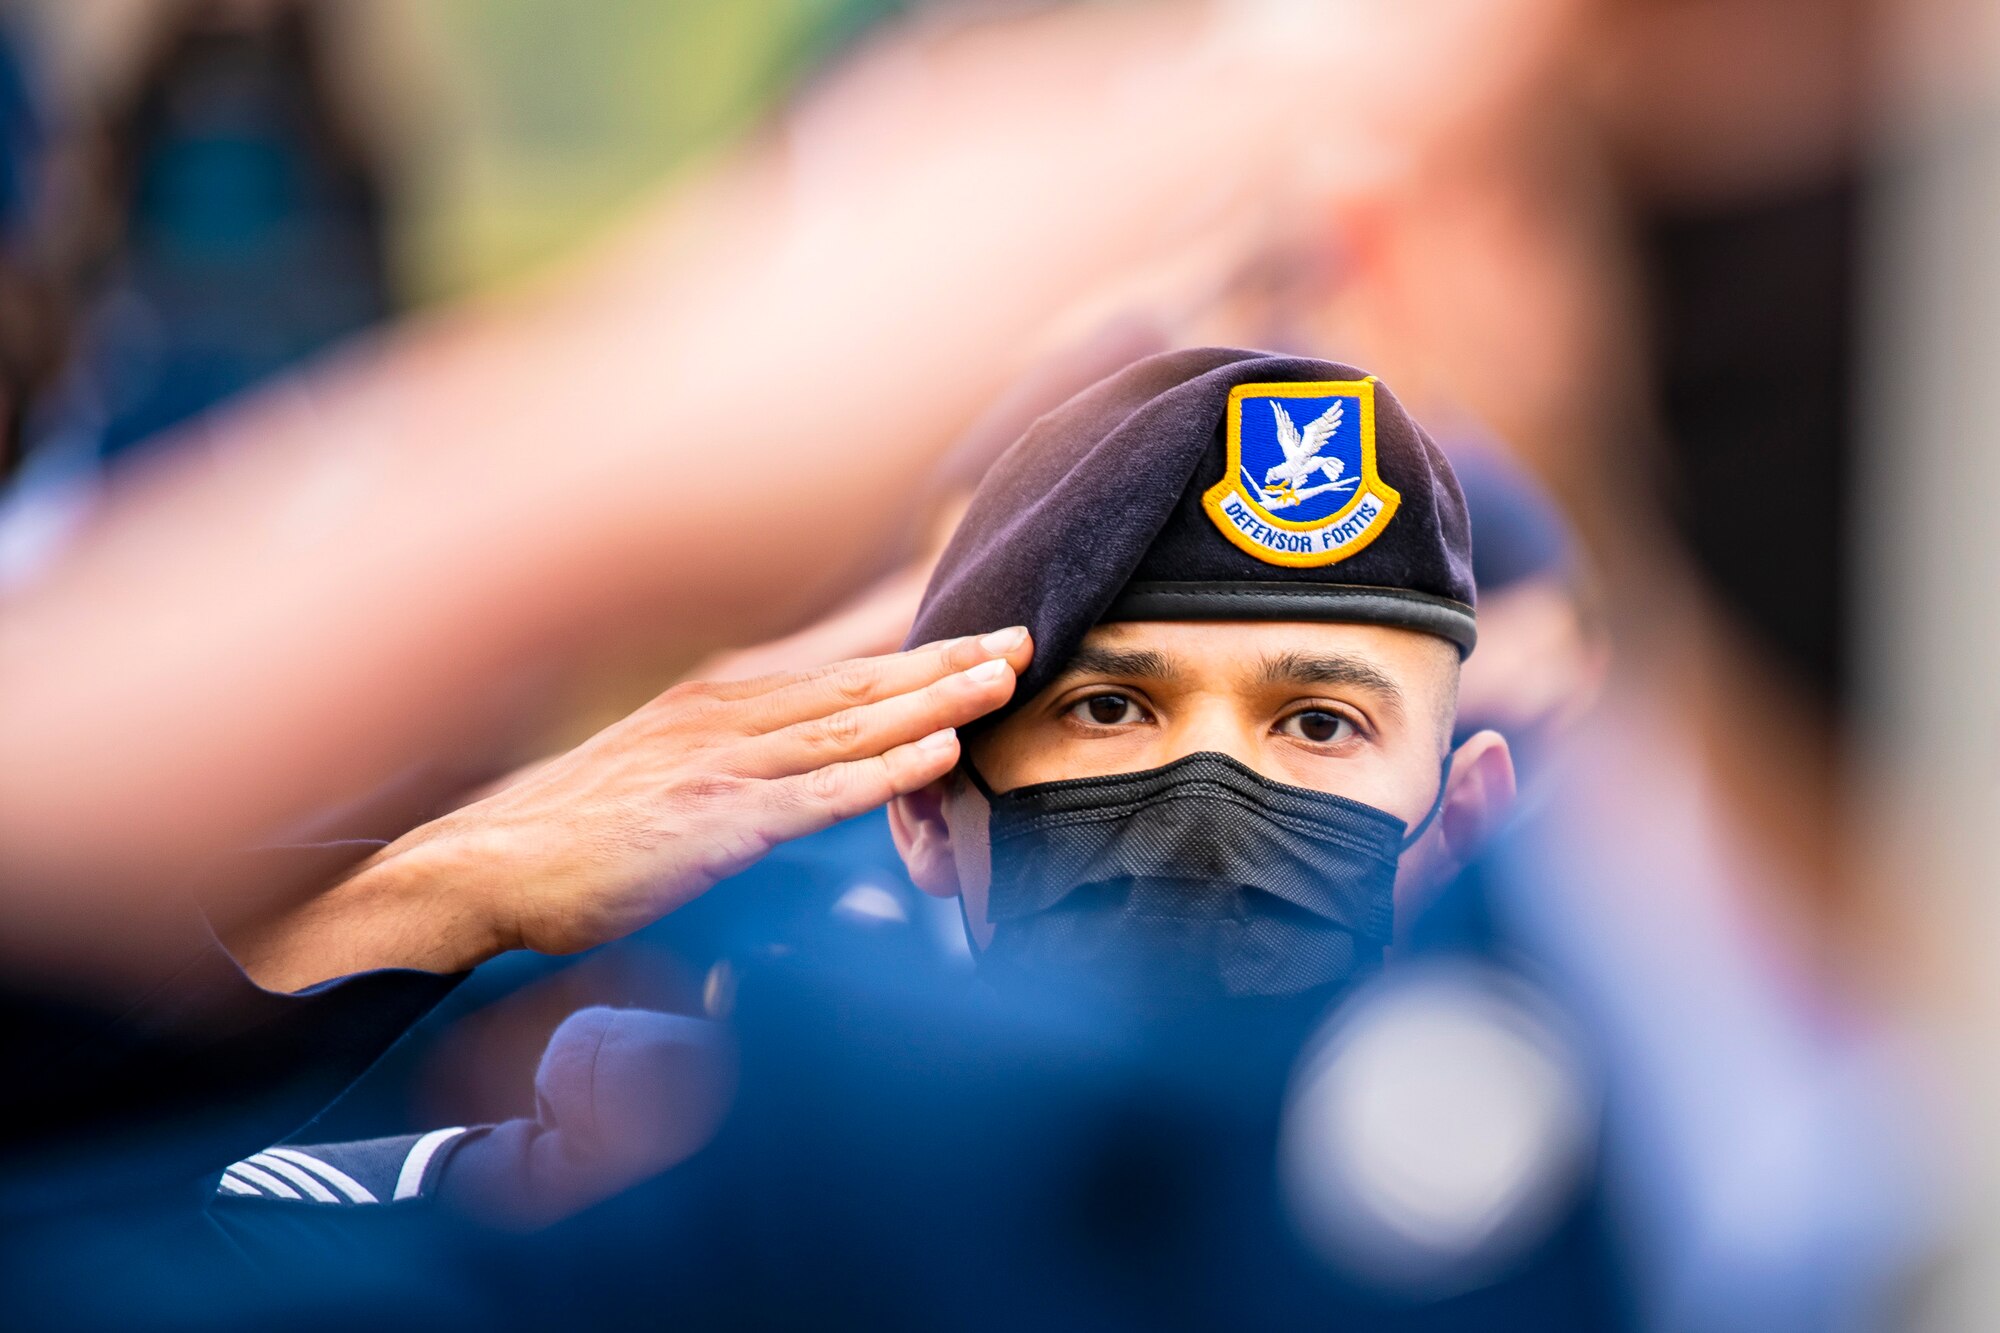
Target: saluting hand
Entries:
(692, 788)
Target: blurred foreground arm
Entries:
(710, 426)
(644, 816)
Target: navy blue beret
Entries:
(1210, 484)
(1521, 533)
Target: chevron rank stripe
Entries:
(366, 1172)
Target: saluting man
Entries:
(1228, 760)
(1249, 581)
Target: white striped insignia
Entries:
(410, 1180)
(345, 1175)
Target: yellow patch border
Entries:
(1211, 500)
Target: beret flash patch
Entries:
(1299, 485)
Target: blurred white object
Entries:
(718, 991)
(1435, 1129)
(45, 506)
(871, 904)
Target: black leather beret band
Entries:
(1329, 602)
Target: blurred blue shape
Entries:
(1517, 531)
(23, 139)
(251, 234)
(1761, 1137)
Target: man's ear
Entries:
(1480, 796)
(923, 839)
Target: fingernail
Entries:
(939, 741)
(986, 673)
(1004, 640)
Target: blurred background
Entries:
(1699, 294)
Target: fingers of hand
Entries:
(808, 802)
(871, 729)
(783, 700)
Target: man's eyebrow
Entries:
(1132, 663)
(1332, 669)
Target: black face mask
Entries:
(1200, 880)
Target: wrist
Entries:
(447, 879)
(415, 904)
(429, 903)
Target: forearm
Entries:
(417, 904)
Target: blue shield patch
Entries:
(1299, 485)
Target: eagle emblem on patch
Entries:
(1299, 485)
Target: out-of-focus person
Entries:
(209, 210)
(250, 222)
(1544, 648)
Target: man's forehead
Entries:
(1157, 647)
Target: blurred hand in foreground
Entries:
(709, 426)
(643, 817)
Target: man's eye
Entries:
(1318, 726)
(1107, 710)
